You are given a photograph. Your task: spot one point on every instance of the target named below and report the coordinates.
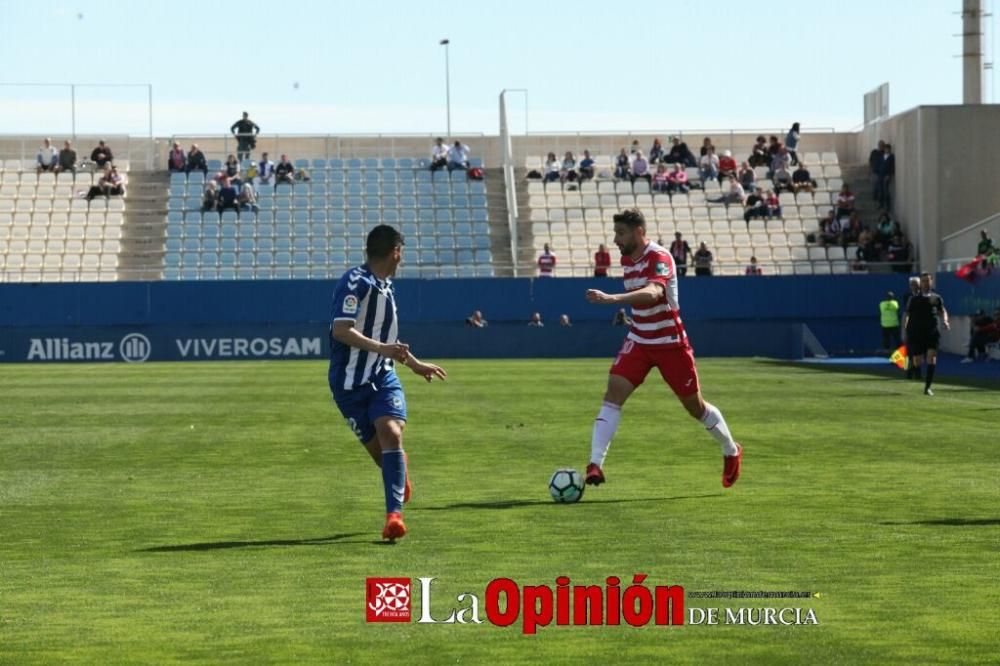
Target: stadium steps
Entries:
(526, 255)
(496, 204)
(856, 175)
(144, 231)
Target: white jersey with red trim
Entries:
(660, 323)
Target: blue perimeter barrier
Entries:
(736, 316)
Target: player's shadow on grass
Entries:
(514, 504)
(223, 545)
(949, 522)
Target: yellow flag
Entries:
(899, 357)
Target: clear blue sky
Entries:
(377, 66)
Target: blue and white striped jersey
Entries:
(370, 303)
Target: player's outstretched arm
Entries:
(345, 333)
(648, 295)
(426, 370)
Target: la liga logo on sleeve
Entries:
(387, 599)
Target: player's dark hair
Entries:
(925, 275)
(631, 217)
(382, 240)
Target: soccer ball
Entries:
(566, 486)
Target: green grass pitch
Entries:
(224, 513)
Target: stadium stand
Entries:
(317, 229)
(576, 217)
(50, 233)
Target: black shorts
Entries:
(918, 342)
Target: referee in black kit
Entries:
(923, 314)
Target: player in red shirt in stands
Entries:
(656, 339)
(602, 261)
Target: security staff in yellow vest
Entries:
(889, 315)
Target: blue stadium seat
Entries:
(300, 217)
(354, 163)
(442, 215)
(373, 202)
(175, 230)
(481, 242)
(462, 228)
(246, 229)
(476, 162)
(210, 244)
(481, 229)
(371, 189)
(245, 245)
(466, 271)
(371, 163)
(355, 178)
(300, 203)
(283, 244)
(338, 258)
(301, 164)
(355, 202)
(390, 216)
(319, 189)
(423, 163)
(172, 259)
(282, 217)
(464, 242)
(175, 204)
(484, 257)
(372, 217)
(424, 176)
(282, 190)
(425, 188)
(265, 231)
(427, 241)
(355, 216)
(300, 229)
(355, 243)
(178, 190)
(388, 163)
(428, 257)
(283, 203)
(390, 202)
(214, 165)
(230, 217)
(460, 201)
(196, 177)
(442, 201)
(409, 230)
(318, 163)
(478, 201)
(448, 272)
(318, 216)
(355, 258)
(245, 273)
(301, 244)
(446, 242)
(463, 257)
(171, 274)
(337, 243)
(425, 202)
(209, 259)
(444, 228)
(318, 258)
(192, 245)
(407, 215)
(425, 215)
(336, 201)
(479, 215)
(442, 188)
(484, 271)
(192, 229)
(390, 177)
(173, 245)
(407, 201)
(440, 176)
(265, 259)
(263, 273)
(282, 272)
(390, 189)
(228, 229)
(459, 188)
(337, 217)
(408, 188)
(189, 259)
(317, 201)
(446, 257)
(336, 188)
(266, 204)
(477, 187)
(355, 189)
(335, 163)
(178, 178)
(227, 245)
(404, 163)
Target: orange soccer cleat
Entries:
(731, 467)
(394, 527)
(595, 475)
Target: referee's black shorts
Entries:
(918, 342)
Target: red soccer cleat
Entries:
(731, 467)
(595, 475)
(394, 527)
(409, 488)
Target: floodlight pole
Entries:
(447, 83)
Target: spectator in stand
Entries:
(231, 169)
(792, 143)
(586, 166)
(677, 180)
(845, 201)
(196, 160)
(829, 230)
(568, 171)
(564, 321)
(707, 146)
(885, 228)
(727, 166)
(985, 330)
(773, 147)
(210, 197)
(265, 170)
(602, 261)
(782, 178)
(680, 154)
(553, 168)
(680, 251)
(657, 153)
(752, 268)
(746, 176)
(623, 165)
(866, 252)
(985, 246)
(621, 318)
(802, 180)
(886, 173)
(227, 196)
(874, 165)
(476, 320)
(773, 204)
(703, 261)
(111, 184)
(458, 157)
(781, 159)
(536, 320)
(888, 310)
(635, 148)
(248, 197)
(661, 179)
(47, 158)
(708, 166)
(759, 155)
(546, 262)
(67, 158)
(439, 155)
(284, 172)
(176, 159)
(899, 253)
(756, 207)
(245, 131)
(101, 155)
(734, 197)
(640, 168)
(852, 229)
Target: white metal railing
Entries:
(960, 246)
(137, 151)
(510, 184)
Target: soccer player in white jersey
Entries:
(656, 339)
(364, 348)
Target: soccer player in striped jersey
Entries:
(364, 349)
(656, 339)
